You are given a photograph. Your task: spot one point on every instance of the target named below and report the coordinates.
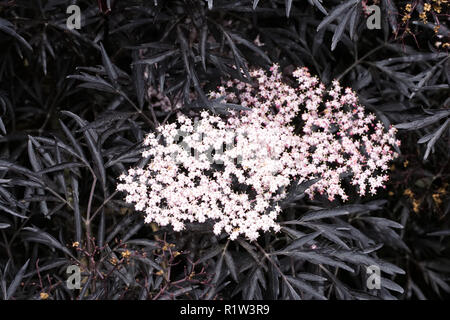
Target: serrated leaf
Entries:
(157, 58)
(417, 124)
(7, 27)
(315, 258)
(391, 285)
(335, 13)
(231, 266)
(16, 282)
(109, 67)
(300, 242)
(310, 277)
(250, 45)
(436, 135)
(340, 30)
(315, 215)
(36, 235)
(210, 254)
(303, 286)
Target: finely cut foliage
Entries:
(279, 186)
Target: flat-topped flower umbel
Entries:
(239, 186)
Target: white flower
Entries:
(262, 156)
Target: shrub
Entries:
(77, 105)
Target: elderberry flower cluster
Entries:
(235, 171)
(337, 137)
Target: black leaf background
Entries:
(74, 110)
